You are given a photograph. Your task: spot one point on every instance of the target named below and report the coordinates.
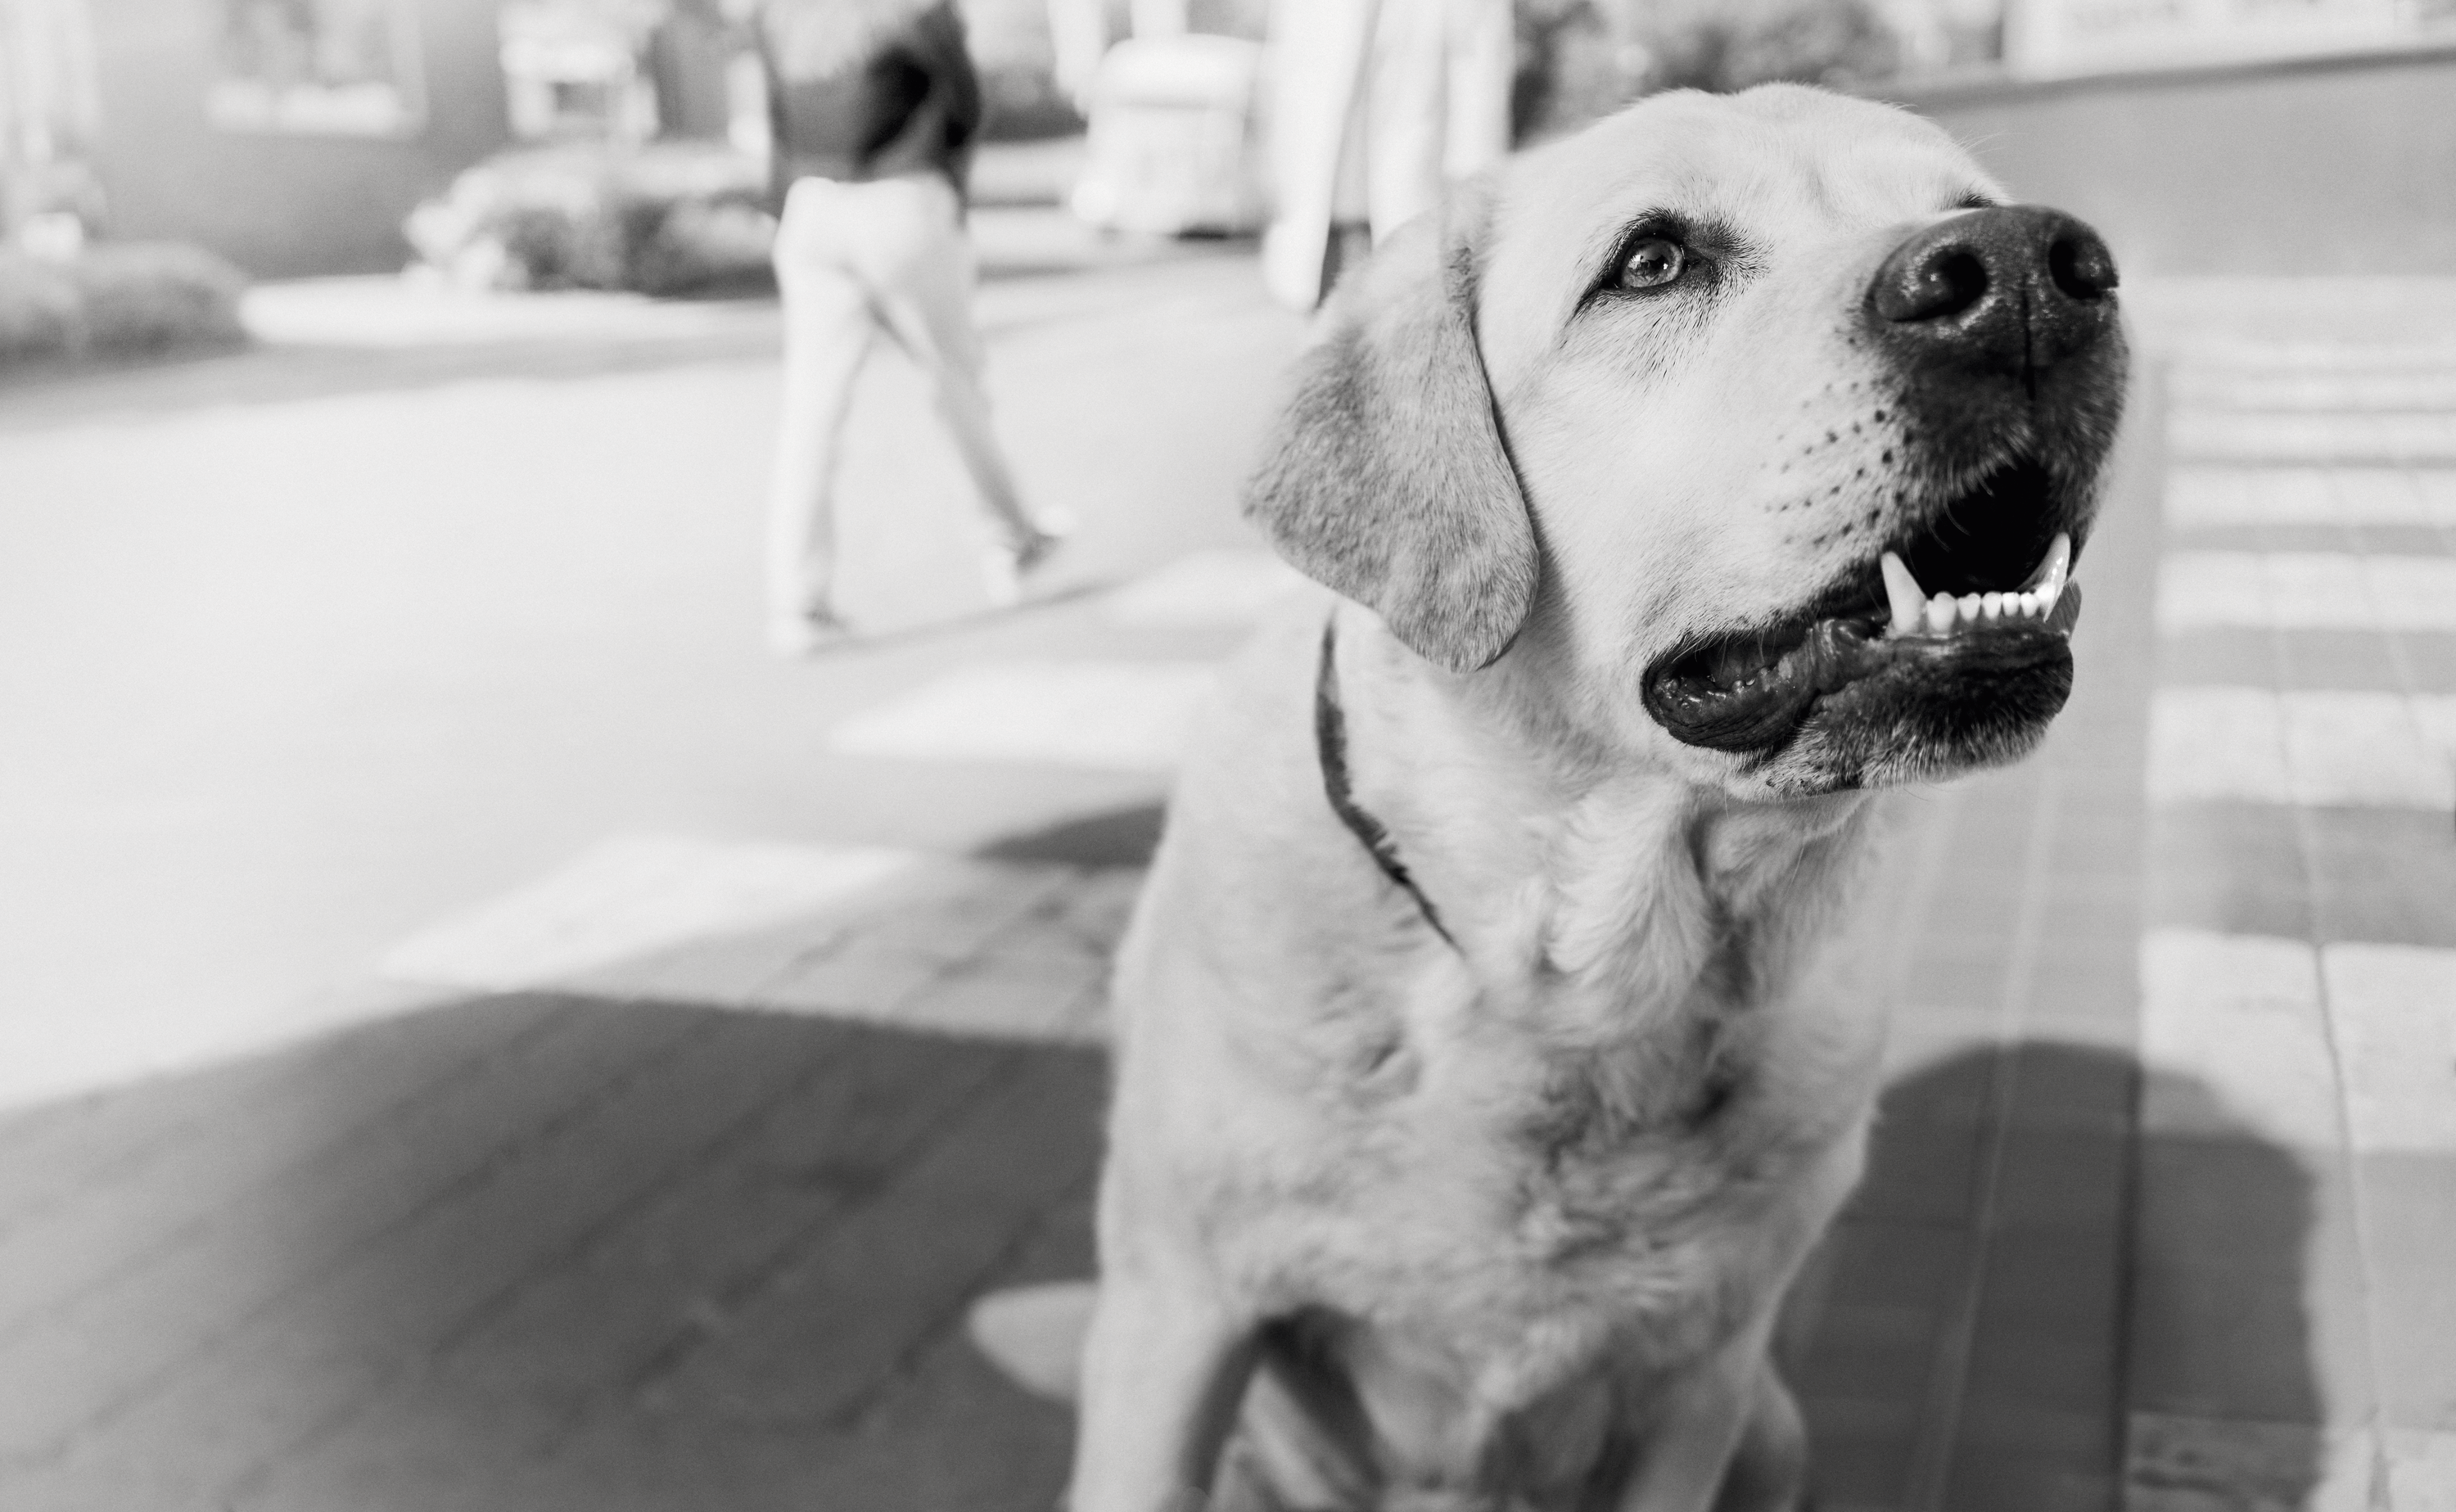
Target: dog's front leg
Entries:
(1690, 1444)
(1165, 1370)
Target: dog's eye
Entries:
(1653, 263)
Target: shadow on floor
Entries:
(2001, 1292)
(1117, 837)
(554, 1252)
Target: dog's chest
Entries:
(1537, 1255)
(1610, 1188)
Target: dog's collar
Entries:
(1330, 744)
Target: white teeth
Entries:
(1902, 594)
(2053, 573)
(1941, 613)
(2048, 581)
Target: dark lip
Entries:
(1987, 537)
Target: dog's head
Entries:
(1760, 429)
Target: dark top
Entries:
(903, 98)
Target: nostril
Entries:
(1961, 279)
(1947, 281)
(2082, 267)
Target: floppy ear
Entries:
(1386, 478)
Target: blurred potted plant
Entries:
(669, 218)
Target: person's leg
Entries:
(1482, 66)
(1317, 51)
(828, 328)
(1406, 108)
(924, 297)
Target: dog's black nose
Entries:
(2018, 287)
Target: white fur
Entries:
(1492, 1186)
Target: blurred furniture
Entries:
(1172, 145)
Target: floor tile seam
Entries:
(2160, 802)
(2207, 537)
(18, 1216)
(2433, 459)
(1928, 872)
(2400, 657)
(1010, 1074)
(2416, 706)
(2150, 862)
(1937, 1447)
(2341, 1156)
(2394, 645)
(2245, 1420)
(479, 1174)
(2219, 807)
(435, 1353)
(204, 1223)
(1075, 877)
(767, 985)
(2366, 1252)
(861, 1407)
(787, 1260)
(155, 1146)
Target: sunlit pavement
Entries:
(311, 646)
(731, 1024)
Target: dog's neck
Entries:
(1610, 888)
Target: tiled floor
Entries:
(2295, 1303)
(674, 1194)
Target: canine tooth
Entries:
(1940, 614)
(2049, 580)
(1902, 595)
(1970, 603)
(1992, 605)
(2058, 573)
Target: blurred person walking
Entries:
(874, 111)
(1375, 106)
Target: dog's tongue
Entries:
(1742, 704)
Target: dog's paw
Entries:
(1035, 1334)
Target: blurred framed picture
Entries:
(344, 68)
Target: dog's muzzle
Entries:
(2014, 289)
(1946, 645)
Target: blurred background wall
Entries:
(2329, 165)
(289, 137)
(295, 136)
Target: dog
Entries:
(1485, 1069)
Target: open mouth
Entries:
(1984, 589)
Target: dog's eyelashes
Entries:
(1653, 262)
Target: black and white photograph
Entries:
(1227, 755)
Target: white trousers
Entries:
(855, 262)
(1375, 106)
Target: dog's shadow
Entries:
(2025, 1296)
(553, 1251)
(2028, 1301)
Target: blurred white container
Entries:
(1172, 143)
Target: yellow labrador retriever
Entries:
(1481, 1083)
